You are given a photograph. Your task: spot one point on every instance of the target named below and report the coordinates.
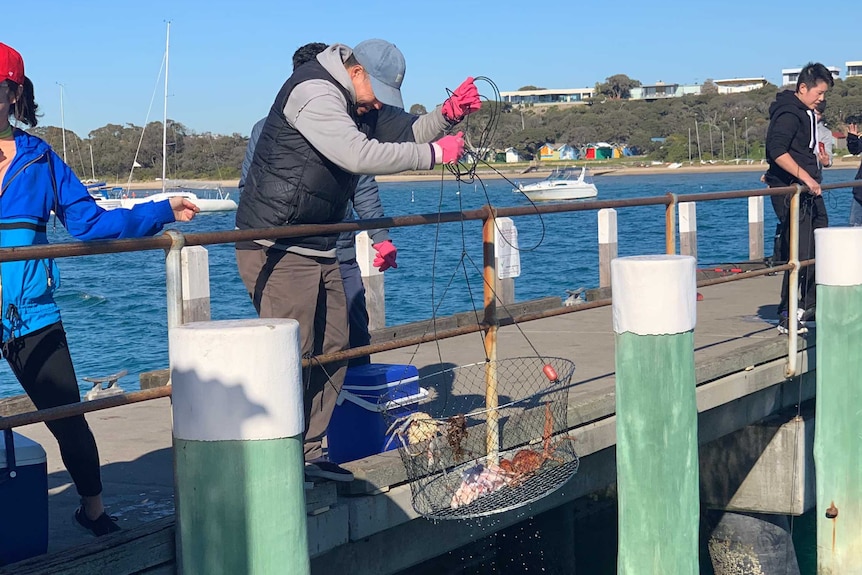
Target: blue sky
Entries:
(228, 59)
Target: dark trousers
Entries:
(812, 216)
(287, 285)
(42, 364)
(357, 312)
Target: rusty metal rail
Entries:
(171, 241)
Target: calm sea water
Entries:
(114, 305)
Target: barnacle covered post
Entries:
(492, 430)
(837, 443)
(657, 461)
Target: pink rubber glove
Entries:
(449, 149)
(385, 258)
(463, 102)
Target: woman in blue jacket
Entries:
(35, 181)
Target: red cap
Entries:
(11, 64)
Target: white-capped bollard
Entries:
(657, 470)
(238, 425)
(837, 440)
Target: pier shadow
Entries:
(768, 313)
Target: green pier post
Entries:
(239, 471)
(837, 429)
(657, 467)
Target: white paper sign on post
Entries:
(506, 249)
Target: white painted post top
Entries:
(755, 209)
(654, 295)
(237, 380)
(839, 256)
(196, 272)
(365, 254)
(607, 226)
(687, 217)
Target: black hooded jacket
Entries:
(854, 146)
(791, 130)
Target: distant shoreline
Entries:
(486, 174)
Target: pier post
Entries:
(508, 260)
(755, 228)
(238, 424)
(196, 284)
(670, 224)
(657, 465)
(174, 278)
(688, 229)
(607, 244)
(372, 279)
(837, 441)
(489, 273)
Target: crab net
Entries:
(465, 459)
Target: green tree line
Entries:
(726, 126)
(116, 148)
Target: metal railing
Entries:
(173, 241)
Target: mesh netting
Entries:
(452, 473)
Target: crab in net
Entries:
(488, 477)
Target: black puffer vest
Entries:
(290, 182)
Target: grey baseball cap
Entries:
(385, 66)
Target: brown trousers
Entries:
(287, 285)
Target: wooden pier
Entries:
(740, 366)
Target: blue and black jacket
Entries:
(36, 183)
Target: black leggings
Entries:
(43, 366)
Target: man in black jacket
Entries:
(791, 148)
(332, 120)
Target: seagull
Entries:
(576, 297)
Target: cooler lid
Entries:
(376, 376)
(27, 451)
(392, 384)
(382, 407)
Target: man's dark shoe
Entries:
(809, 317)
(104, 524)
(327, 470)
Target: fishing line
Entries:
(465, 171)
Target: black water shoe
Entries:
(104, 524)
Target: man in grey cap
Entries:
(328, 123)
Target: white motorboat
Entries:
(561, 184)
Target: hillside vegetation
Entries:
(658, 129)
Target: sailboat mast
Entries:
(165, 123)
(92, 164)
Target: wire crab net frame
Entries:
(444, 448)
